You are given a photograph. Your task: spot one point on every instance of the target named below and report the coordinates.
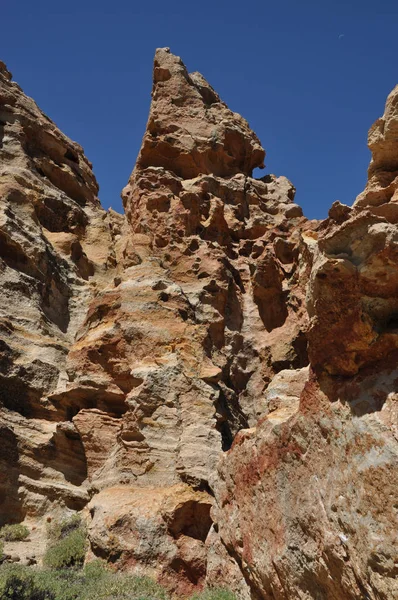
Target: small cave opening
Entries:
(69, 155)
(191, 519)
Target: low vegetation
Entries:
(94, 582)
(14, 533)
(63, 576)
(58, 530)
(215, 594)
(67, 544)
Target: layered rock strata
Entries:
(57, 249)
(210, 378)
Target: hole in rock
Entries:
(191, 519)
(194, 245)
(183, 314)
(272, 308)
(203, 275)
(71, 156)
(159, 285)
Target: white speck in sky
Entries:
(341, 36)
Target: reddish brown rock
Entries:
(305, 501)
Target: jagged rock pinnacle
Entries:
(190, 130)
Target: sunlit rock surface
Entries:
(211, 378)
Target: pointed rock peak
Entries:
(382, 185)
(190, 131)
(4, 71)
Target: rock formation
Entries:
(210, 378)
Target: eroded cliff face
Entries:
(306, 500)
(209, 379)
(57, 248)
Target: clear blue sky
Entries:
(309, 76)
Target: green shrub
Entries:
(94, 582)
(67, 552)
(19, 583)
(215, 594)
(68, 544)
(60, 529)
(14, 533)
(116, 586)
(1, 550)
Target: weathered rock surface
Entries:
(210, 379)
(306, 499)
(381, 192)
(174, 356)
(57, 247)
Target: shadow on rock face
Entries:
(368, 391)
(10, 502)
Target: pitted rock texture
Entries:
(306, 500)
(209, 379)
(190, 131)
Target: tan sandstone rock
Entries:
(154, 369)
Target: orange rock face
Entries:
(209, 379)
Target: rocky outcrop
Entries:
(380, 194)
(57, 248)
(174, 356)
(164, 331)
(209, 379)
(306, 500)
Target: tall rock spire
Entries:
(190, 131)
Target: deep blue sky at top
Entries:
(309, 76)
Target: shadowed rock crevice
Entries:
(230, 417)
(2, 125)
(65, 453)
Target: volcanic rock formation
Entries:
(210, 378)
